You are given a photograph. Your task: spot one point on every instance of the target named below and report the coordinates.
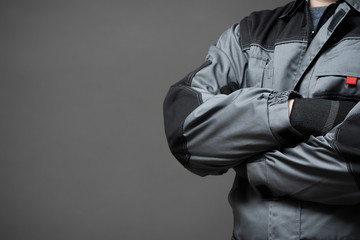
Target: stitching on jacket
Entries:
(342, 40)
(231, 64)
(187, 155)
(187, 87)
(193, 73)
(290, 41)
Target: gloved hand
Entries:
(232, 87)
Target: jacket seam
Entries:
(187, 87)
(342, 40)
(335, 146)
(231, 63)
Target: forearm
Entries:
(311, 171)
(210, 130)
(323, 169)
(226, 130)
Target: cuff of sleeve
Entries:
(279, 122)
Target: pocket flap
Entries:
(347, 64)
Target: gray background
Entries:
(82, 148)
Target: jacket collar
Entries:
(354, 3)
(298, 3)
(293, 9)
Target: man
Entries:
(276, 100)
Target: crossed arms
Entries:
(210, 132)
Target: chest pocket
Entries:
(332, 78)
(259, 72)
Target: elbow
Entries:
(175, 112)
(174, 117)
(179, 102)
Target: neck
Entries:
(321, 3)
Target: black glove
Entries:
(232, 87)
(311, 116)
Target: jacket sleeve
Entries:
(209, 132)
(324, 169)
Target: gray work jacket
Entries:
(286, 187)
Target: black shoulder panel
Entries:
(269, 27)
(180, 101)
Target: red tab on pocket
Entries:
(351, 80)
